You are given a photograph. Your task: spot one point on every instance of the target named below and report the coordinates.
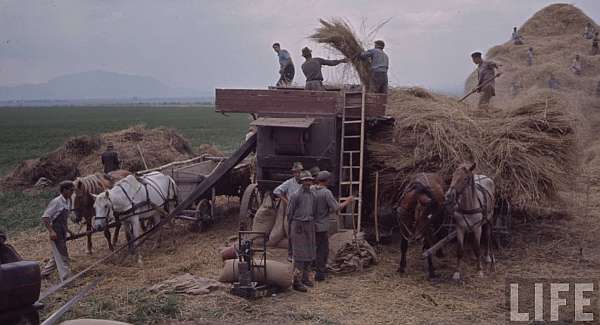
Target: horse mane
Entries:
(92, 184)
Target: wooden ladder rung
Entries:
(353, 122)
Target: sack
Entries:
(229, 253)
(278, 232)
(279, 274)
(265, 217)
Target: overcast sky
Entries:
(207, 44)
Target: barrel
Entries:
(20, 284)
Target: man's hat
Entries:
(476, 54)
(380, 43)
(314, 171)
(297, 166)
(306, 176)
(323, 176)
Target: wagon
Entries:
(188, 176)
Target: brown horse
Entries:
(471, 198)
(83, 203)
(420, 214)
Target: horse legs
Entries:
(403, 249)
(107, 236)
(477, 248)
(489, 255)
(460, 242)
(430, 269)
(116, 235)
(137, 232)
(88, 228)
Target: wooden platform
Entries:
(293, 102)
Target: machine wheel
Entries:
(250, 203)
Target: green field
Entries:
(30, 132)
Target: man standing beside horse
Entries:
(55, 218)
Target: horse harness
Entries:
(418, 187)
(134, 206)
(483, 206)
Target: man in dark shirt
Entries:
(486, 79)
(312, 69)
(327, 209)
(301, 212)
(110, 159)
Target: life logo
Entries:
(553, 300)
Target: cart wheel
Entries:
(251, 201)
(203, 213)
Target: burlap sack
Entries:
(265, 217)
(279, 274)
(229, 253)
(278, 231)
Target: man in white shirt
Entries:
(55, 218)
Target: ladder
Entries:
(352, 142)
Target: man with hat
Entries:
(55, 218)
(312, 69)
(486, 79)
(314, 172)
(285, 190)
(301, 212)
(110, 159)
(327, 208)
(379, 67)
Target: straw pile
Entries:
(338, 34)
(81, 155)
(529, 151)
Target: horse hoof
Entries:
(400, 270)
(480, 273)
(488, 259)
(89, 252)
(456, 277)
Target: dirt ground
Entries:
(561, 247)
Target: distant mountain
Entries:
(96, 85)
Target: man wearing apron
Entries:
(55, 219)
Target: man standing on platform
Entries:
(286, 66)
(379, 67)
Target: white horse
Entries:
(134, 199)
(472, 199)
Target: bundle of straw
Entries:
(338, 34)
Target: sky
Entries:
(227, 43)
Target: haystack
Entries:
(81, 155)
(527, 150)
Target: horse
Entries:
(471, 198)
(420, 214)
(83, 201)
(134, 199)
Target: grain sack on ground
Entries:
(279, 274)
(349, 253)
